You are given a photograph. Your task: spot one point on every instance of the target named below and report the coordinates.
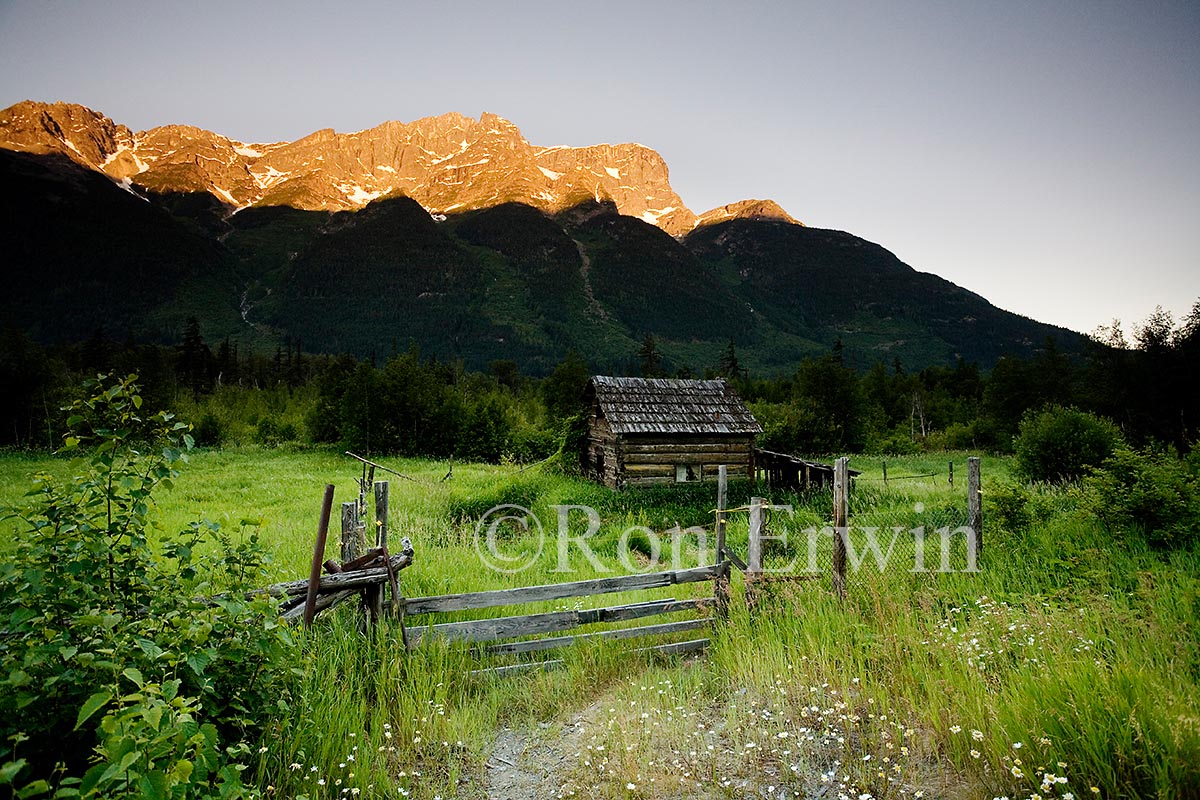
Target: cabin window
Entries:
(686, 473)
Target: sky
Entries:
(1045, 155)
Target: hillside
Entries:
(468, 241)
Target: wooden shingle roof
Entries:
(671, 405)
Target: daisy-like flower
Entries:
(956, 729)
(977, 735)
(974, 754)
(1017, 773)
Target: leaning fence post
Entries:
(841, 492)
(314, 575)
(975, 505)
(721, 584)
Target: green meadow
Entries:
(1068, 665)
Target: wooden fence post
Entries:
(374, 595)
(885, 473)
(951, 473)
(351, 534)
(754, 553)
(381, 513)
(841, 497)
(350, 548)
(975, 505)
(721, 584)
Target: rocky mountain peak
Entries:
(447, 163)
(746, 209)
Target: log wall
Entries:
(653, 459)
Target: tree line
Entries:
(406, 404)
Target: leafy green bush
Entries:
(111, 649)
(527, 445)
(271, 432)
(1008, 504)
(1063, 444)
(1152, 493)
(209, 431)
(956, 436)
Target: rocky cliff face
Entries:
(447, 163)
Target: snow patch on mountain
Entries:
(224, 193)
(358, 195)
(269, 178)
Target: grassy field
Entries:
(1067, 666)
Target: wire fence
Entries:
(900, 536)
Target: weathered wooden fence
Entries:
(372, 575)
(367, 573)
(490, 633)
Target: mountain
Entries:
(448, 164)
(450, 233)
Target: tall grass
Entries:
(1070, 655)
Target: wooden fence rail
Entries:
(555, 591)
(494, 629)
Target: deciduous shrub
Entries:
(118, 677)
(1063, 444)
(1154, 494)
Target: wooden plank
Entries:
(554, 591)
(676, 648)
(515, 669)
(299, 611)
(537, 645)
(487, 630)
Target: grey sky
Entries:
(1042, 154)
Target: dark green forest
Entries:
(405, 403)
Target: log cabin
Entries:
(645, 431)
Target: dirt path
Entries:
(531, 764)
